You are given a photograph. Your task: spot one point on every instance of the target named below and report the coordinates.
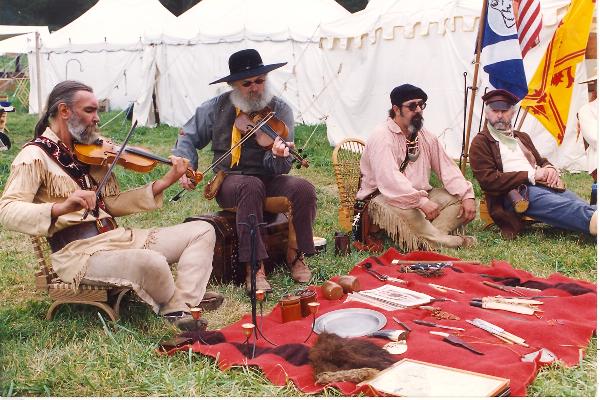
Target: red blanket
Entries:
(564, 327)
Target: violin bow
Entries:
(112, 166)
(301, 149)
(248, 134)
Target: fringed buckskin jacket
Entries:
(36, 182)
(486, 163)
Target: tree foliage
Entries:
(58, 13)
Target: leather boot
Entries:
(299, 269)
(594, 224)
(261, 278)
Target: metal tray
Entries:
(350, 322)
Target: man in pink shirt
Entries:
(395, 169)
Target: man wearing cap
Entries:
(251, 172)
(503, 159)
(395, 169)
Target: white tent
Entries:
(429, 44)
(17, 39)
(102, 48)
(195, 50)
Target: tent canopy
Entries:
(113, 22)
(102, 48)
(17, 39)
(214, 21)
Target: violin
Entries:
(269, 131)
(104, 151)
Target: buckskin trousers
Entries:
(147, 269)
(247, 193)
(409, 227)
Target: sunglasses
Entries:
(258, 81)
(413, 106)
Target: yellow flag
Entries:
(236, 136)
(550, 89)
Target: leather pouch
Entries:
(519, 199)
(212, 187)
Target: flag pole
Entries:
(525, 111)
(465, 151)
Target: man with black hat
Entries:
(395, 169)
(251, 172)
(503, 159)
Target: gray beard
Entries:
(252, 104)
(415, 125)
(81, 133)
(502, 127)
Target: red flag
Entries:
(529, 23)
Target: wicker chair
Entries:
(346, 164)
(106, 297)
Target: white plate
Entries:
(350, 322)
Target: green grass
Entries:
(75, 355)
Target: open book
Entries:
(390, 297)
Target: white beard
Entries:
(80, 132)
(254, 103)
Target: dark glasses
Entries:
(258, 81)
(413, 106)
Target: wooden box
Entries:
(226, 267)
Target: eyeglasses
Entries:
(258, 81)
(413, 106)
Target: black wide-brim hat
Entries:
(245, 64)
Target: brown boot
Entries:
(261, 278)
(300, 271)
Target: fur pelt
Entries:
(334, 353)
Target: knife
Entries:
(456, 341)
(401, 324)
(433, 324)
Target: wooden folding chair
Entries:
(106, 297)
(346, 165)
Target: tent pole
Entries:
(465, 151)
(525, 112)
(38, 73)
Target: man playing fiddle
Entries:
(252, 173)
(49, 191)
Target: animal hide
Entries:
(334, 353)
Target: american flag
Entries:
(529, 23)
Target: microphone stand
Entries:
(253, 226)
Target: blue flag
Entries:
(500, 50)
